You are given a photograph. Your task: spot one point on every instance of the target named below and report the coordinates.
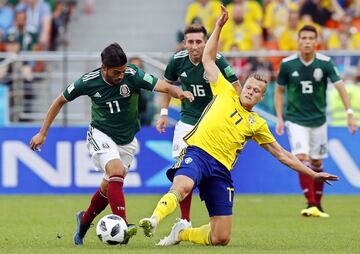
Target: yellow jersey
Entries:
(225, 126)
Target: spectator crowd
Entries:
(264, 25)
(30, 25)
(254, 25)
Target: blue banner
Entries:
(64, 166)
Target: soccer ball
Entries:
(111, 229)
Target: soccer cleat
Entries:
(173, 237)
(311, 211)
(322, 214)
(189, 223)
(132, 230)
(149, 226)
(78, 240)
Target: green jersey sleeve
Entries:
(282, 79)
(143, 79)
(225, 68)
(333, 72)
(170, 71)
(75, 90)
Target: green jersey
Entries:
(114, 109)
(193, 79)
(306, 85)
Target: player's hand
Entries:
(186, 95)
(37, 141)
(280, 127)
(325, 177)
(161, 124)
(352, 124)
(223, 17)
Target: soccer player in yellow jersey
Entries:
(226, 125)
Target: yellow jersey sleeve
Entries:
(263, 135)
(221, 85)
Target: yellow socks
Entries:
(199, 235)
(166, 205)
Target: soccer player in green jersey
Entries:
(305, 76)
(186, 67)
(227, 123)
(114, 92)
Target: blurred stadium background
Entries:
(63, 39)
(36, 67)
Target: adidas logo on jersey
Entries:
(183, 74)
(295, 74)
(97, 95)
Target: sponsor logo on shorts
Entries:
(105, 145)
(188, 160)
(323, 149)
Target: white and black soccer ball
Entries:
(111, 229)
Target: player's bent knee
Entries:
(183, 185)
(220, 240)
(316, 163)
(220, 237)
(302, 157)
(115, 167)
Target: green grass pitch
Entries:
(261, 224)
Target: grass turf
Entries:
(261, 224)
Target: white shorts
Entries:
(103, 149)
(308, 140)
(181, 129)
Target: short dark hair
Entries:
(195, 28)
(113, 56)
(309, 28)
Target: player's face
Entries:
(252, 93)
(195, 44)
(307, 42)
(114, 75)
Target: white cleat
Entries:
(149, 226)
(173, 237)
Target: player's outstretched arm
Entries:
(161, 123)
(347, 104)
(292, 162)
(279, 103)
(38, 140)
(173, 91)
(211, 47)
